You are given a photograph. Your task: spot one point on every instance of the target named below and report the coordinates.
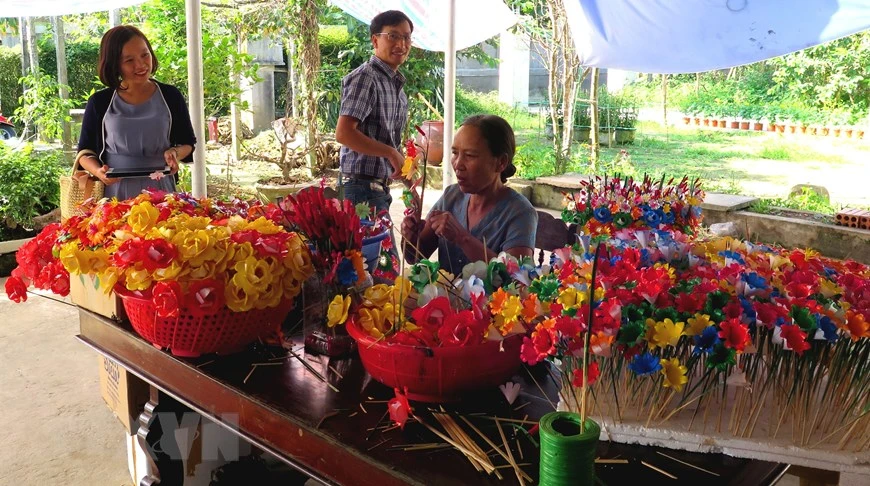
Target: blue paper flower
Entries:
(705, 341)
(733, 255)
(645, 364)
(346, 273)
(755, 280)
(652, 218)
(748, 311)
(603, 215)
(829, 329)
(668, 217)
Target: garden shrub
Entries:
(10, 71)
(29, 186)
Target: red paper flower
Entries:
(272, 245)
(205, 297)
(167, 298)
(399, 408)
(541, 344)
(16, 289)
(432, 315)
(734, 333)
(157, 254)
(592, 373)
(130, 252)
(460, 329)
(795, 338)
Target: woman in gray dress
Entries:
(136, 123)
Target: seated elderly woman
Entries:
(480, 208)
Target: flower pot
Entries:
(825, 131)
(567, 449)
(581, 134)
(318, 337)
(758, 126)
(625, 136)
(770, 127)
(706, 122)
(803, 129)
(780, 128)
(744, 125)
(859, 134)
(848, 132)
(715, 123)
(835, 132)
(792, 128)
(432, 141)
(686, 120)
(697, 120)
(735, 125)
(440, 374)
(606, 137)
(813, 131)
(723, 124)
(269, 193)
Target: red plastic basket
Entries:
(439, 374)
(190, 336)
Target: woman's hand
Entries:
(101, 175)
(171, 158)
(412, 226)
(445, 226)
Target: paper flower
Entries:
(336, 313)
(674, 373)
(644, 364)
(592, 373)
(511, 391)
(705, 341)
(399, 408)
(698, 324)
(541, 344)
(734, 334)
(666, 333)
(795, 338)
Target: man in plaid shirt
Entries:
(374, 112)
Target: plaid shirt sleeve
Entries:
(358, 96)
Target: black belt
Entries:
(364, 177)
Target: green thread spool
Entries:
(567, 455)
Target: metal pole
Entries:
(196, 102)
(449, 94)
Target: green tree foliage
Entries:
(10, 71)
(163, 22)
(82, 57)
(40, 106)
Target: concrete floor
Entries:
(57, 428)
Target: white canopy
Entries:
(431, 25)
(686, 36)
(43, 8)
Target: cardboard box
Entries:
(84, 291)
(124, 393)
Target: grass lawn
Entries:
(753, 163)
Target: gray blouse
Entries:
(136, 137)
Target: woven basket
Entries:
(76, 188)
(190, 336)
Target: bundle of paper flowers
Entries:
(432, 308)
(199, 254)
(767, 337)
(603, 205)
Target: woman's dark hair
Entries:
(499, 138)
(390, 17)
(109, 67)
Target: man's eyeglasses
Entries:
(395, 38)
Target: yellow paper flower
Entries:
(198, 246)
(337, 311)
(172, 272)
(272, 296)
(409, 167)
(373, 321)
(252, 275)
(666, 333)
(143, 217)
(137, 278)
(108, 279)
(401, 290)
(239, 299)
(571, 298)
(378, 295)
(697, 324)
(674, 373)
(264, 226)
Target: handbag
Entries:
(77, 188)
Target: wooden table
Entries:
(288, 412)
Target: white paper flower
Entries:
(511, 391)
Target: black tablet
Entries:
(115, 172)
